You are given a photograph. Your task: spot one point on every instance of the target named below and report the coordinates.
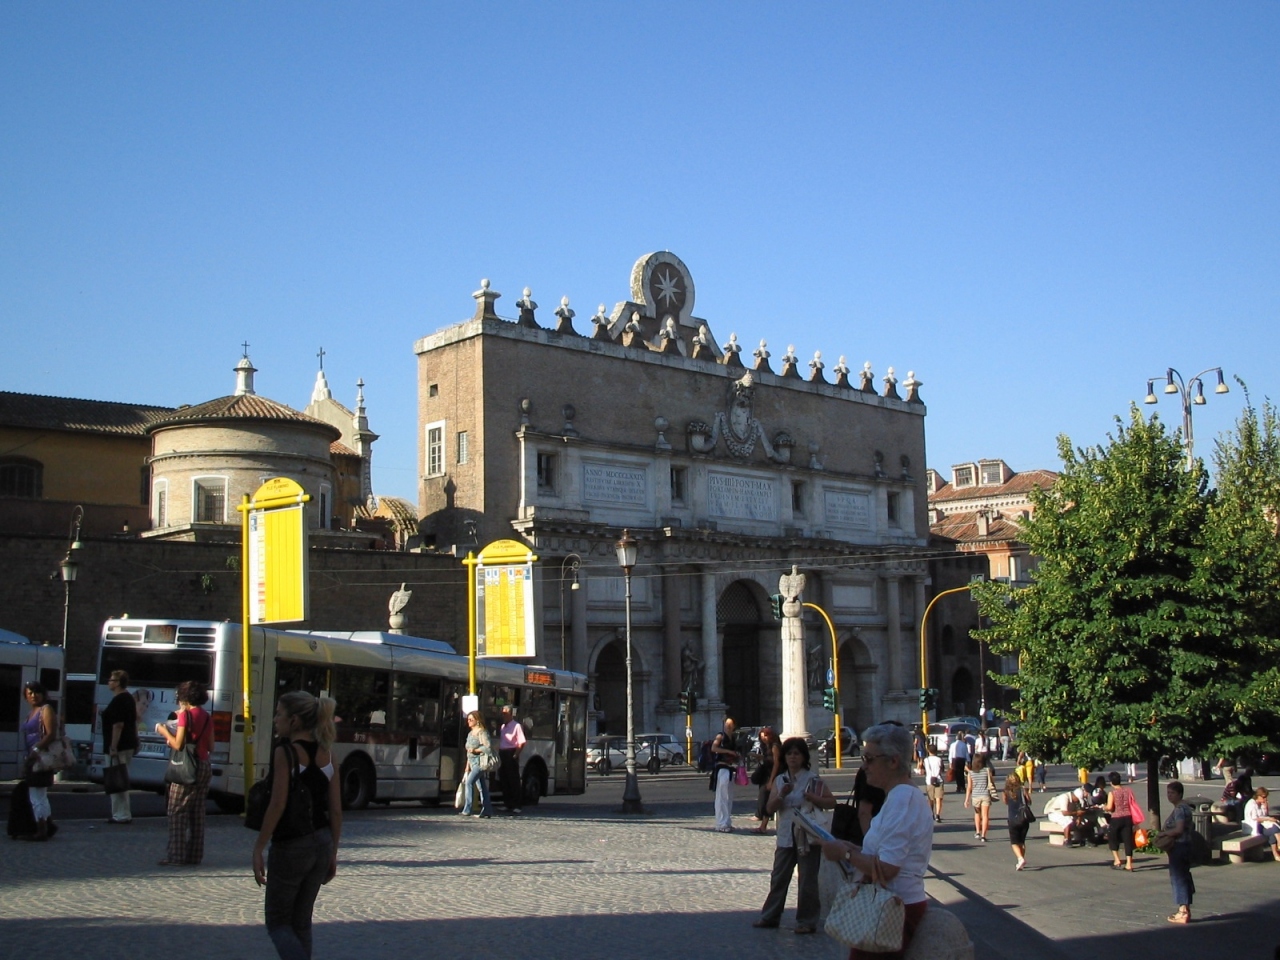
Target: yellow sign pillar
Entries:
(507, 611)
(273, 576)
(924, 653)
(835, 679)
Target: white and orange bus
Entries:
(400, 725)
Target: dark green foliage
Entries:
(1150, 626)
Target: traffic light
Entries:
(928, 699)
(684, 702)
(829, 700)
(775, 604)
(924, 700)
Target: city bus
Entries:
(20, 661)
(399, 706)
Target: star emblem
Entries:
(668, 288)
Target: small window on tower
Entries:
(463, 452)
(797, 498)
(678, 477)
(547, 472)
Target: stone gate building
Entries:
(727, 466)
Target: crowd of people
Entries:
(896, 819)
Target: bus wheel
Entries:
(358, 783)
(535, 787)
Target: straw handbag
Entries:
(866, 916)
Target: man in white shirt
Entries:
(958, 754)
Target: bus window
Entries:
(362, 697)
(300, 676)
(495, 696)
(147, 668)
(417, 705)
(539, 709)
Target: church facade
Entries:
(728, 468)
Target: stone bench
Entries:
(1056, 831)
(1240, 848)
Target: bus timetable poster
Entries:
(277, 582)
(504, 610)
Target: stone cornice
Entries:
(508, 330)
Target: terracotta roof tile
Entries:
(342, 449)
(1022, 482)
(246, 406)
(963, 528)
(82, 416)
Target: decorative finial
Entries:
(790, 363)
(564, 317)
(527, 308)
(913, 387)
(891, 385)
(484, 298)
(815, 368)
(867, 377)
(842, 373)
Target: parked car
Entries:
(826, 744)
(669, 750)
(608, 753)
(942, 734)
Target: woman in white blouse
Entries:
(1258, 820)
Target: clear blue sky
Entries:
(1035, 207)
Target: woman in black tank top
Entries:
(295, 869)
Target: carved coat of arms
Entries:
(739, 428)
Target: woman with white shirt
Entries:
(901, 835)
(1258, 820)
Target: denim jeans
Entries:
(1184, 887)
(468, 786)
(295, 871)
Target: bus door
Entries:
(571, 744)
(415, 729)
(452, 735)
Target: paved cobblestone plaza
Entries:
(574, 878)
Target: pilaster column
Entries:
(918, 584)
(671, 645)
(893, 632)
(710, 640)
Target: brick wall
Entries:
(349, 589)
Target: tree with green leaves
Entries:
(1115, 661)
(1240, 578)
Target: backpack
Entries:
(706, 759)
(296, 821)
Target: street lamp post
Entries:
(571, 563)
(627, 548)
(68, 567)
(1192, 394)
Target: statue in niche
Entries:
(737, 425)
(816, 661)
(690, 669)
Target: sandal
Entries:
(1179, 917)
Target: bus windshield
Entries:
(146, 669)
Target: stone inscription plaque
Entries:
(741, 498)
(609, 484)
(843, 508)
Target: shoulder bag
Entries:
(866, 916)
(844, 820)
(487, 758)
(183, 762)
(57, 755)
(740, 778)
(115, 778)
(296, 821)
